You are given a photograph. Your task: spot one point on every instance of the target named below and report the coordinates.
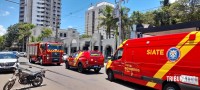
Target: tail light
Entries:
(91, 59)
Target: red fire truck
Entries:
(168, 62)
(45, 52)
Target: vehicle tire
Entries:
(30, 60)
(80, 68)
(37, 81)
(67, 65)
(8, 85)
(58, 64)
(171, 86)
(96, 70)
(110, 76)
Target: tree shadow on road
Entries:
(86, 72)
(28, 88)
(6, 72)
(131, 85)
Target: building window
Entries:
(93, 21)
(60, 34)
(65, 35)
(73, 32)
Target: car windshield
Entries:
(54, 47)
(7, 56)
(15, 52)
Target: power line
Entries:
(12, 1)
(151, 8)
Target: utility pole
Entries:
(56, 29)
(120, 21)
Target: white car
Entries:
(8, 61)
(22, 54)
(65, 56)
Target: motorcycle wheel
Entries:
(8, 85)
(37, 81)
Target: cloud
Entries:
(172, 1)
(69, 27)
(2, 30)
(5, 13)
(12, 7)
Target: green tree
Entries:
(126, 23)
(24, 30)
(12, 35)
(137, 17)
(2, 40)
(24, 33)
(33, 39)
(107, 20)
(17, 33)
(85, 36)
(46, 32)
(148, 18)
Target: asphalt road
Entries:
(59, 78)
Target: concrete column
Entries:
(78, 44)
(103, 52)
(69, 49)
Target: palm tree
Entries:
(107, 20)
(126, 23)
(24, 33)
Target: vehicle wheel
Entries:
(171, 86)
(8, 85)
(96, 70)
(37, 81)
(110, 75)
(41, 62)
(80, 68)
(58, 64)
(67, 65)
(30, 60)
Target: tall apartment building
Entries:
(92, 19)
(45, 13)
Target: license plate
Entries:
(56, 59)
(96, 66)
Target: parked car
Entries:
(86, 60)
(8, 61)
(22, 54)
(16, 52)
(65, 56)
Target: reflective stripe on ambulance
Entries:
(184, 49)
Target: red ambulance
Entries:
(168, 62)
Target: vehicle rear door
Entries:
(96, 58)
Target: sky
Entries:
(72, 13)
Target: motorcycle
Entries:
(25, 77)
